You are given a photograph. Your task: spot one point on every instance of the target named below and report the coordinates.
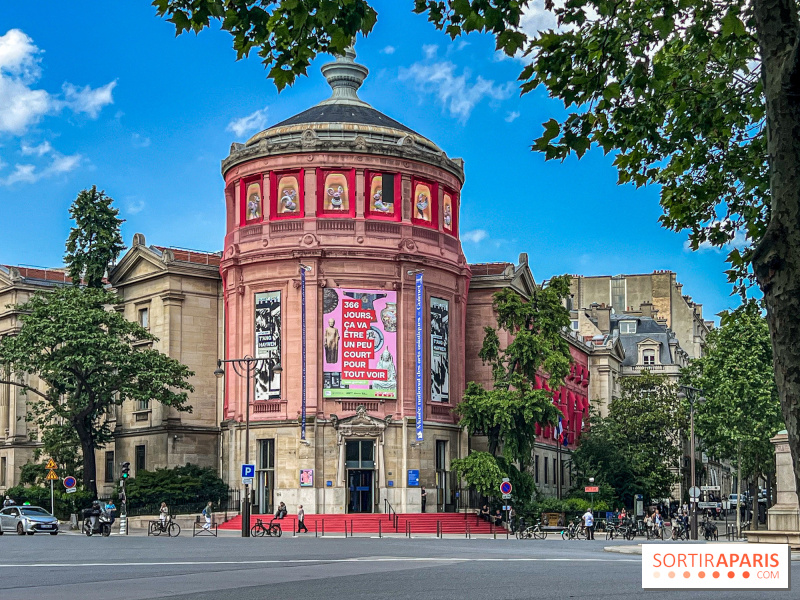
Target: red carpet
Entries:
(373, 523)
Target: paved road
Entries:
(228, 568)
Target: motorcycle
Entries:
(96, 520)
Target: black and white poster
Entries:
(268, 344)
(440, 356)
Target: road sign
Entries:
(709, 488)
(708, 504)
(51, 476)
(505, 487)
(71, 490)
(69, 482)
(591, 489)
(51, 464)
(248, 471)
(694, 492)
(506, 496)
(247, 481)
(507, 507)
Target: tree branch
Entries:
(27, 388)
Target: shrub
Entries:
(181, 485)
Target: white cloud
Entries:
(388, 50)
(430, 50)
(22, 106)
(40, 150)
(87, 99)
(512, 116)
(253, 122)
(140, 141)
(28, 173)
(457, 93)
(462, 44)
(537, 18)
(476, 236)
(739, 239)
(134, 206)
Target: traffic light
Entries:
(126, 470)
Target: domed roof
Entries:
(343, 123)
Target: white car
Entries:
(27, 519)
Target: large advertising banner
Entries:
(418, 399)
(440, 358)
(359, 344)
(268, 344)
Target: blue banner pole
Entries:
(418, 348)
(303, 327)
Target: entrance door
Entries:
(360, 487)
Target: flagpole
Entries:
(558, 471)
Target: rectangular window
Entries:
(140, 459)
(545, 470)
(109, 467)
(649, 357)
(627, 327)
(618, 294)
(266, 476)
(360, 454)
(574, 325)
(441, 455)
(536, 469)
(143, 405)
(555, 473)
(144, 317)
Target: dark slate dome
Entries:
(344, 113)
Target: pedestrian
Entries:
(208, 512)
(588, 523)
(424, 497)
(282, 512)
(301, 518)
(512, 519)
(163, 513)
(8, 502)
(485, 513)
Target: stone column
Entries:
(5, 394)
(785, 514)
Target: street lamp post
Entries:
(246, 367)
(591, 480)
(693, 394)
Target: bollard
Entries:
(315, 528)
(380, 530)
(323, 527)
(438, 529)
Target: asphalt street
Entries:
(136, 567)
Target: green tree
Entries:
(741, 411)
(700, 97)
(189, 484)
(636, 449)
(82, 350)
(508, 413)
(95, 241)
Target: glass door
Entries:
(360, 464)
(265, 477)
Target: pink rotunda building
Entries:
(336, 219)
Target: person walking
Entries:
(588, 523)
(301, 518)
(424, 497)
(208, 512)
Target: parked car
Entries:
(27, 519)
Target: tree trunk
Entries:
(754, 502)
(89, 465)
(739, 492)
(776, 260)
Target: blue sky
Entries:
(102, 93)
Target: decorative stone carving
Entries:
(309, 239)
(360, 425)
(309, 139)
(138, 239)
(360, 143)
(407, 244)
(360, 239)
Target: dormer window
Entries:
(627, 327)
(649, 358)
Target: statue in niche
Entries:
(253, 209)
(377, 202)
(288, 203)
(422, 205)
(448, 216)
(336, 197)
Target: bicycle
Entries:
(710, 530)
(679, 531)
(532, 532)
(171, 528)
(272, 530)
(574, 530)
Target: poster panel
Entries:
(268, 344)
(359, 343)
(440, 357)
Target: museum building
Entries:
(342, 273)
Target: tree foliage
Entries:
(508, 413)
(636, 449)
(95, 241)
(741, 411)
(188, 484)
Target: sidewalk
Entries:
(637, 549)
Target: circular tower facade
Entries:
(333, 216)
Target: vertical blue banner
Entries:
(418, 348)
(303, 328)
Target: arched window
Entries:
(648, 357)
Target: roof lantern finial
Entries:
(345, 76)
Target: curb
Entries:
(638, 550)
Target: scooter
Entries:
(101, 525)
